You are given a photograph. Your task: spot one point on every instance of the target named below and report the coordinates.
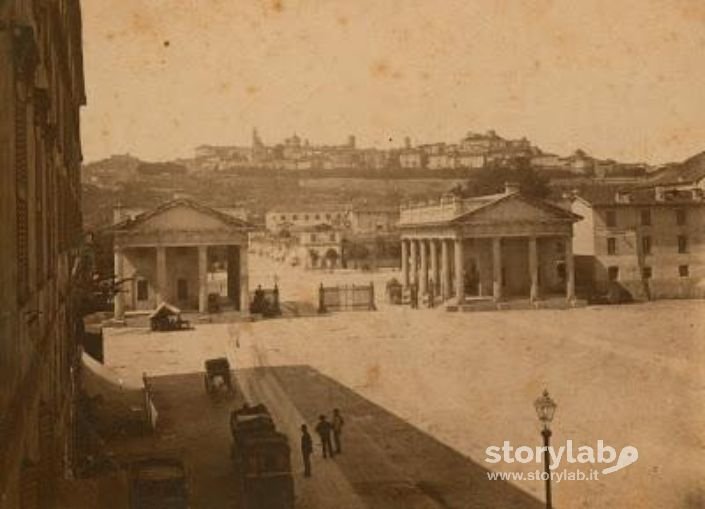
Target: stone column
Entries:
(533, 269)
(202, 279)
(414, 273)
(569, 270)
(244, 280)
(497, 269)
(445, 270)
(405, 263)
(423, 276)
(162, 282)
(459, 271)
(433, 246)
(119, 297)
(477, 249)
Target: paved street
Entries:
(426, 392)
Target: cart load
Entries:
(261, 456)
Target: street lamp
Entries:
(545, 408)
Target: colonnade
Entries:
(448, 277)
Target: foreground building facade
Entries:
(41, 91)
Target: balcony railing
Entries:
(445, 209)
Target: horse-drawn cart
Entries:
(167, 318)
(217, 375)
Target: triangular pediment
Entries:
(183, 215)
(517, 208)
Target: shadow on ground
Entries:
(390, 463)
(194, 426)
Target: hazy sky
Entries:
(619, 78)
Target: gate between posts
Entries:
(346, 298)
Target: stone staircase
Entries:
(515, 304)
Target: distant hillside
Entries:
(118, 167)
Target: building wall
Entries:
(583, 230)
(276, 220)
(410, 160)
(41, 90)
(515, 260)
(320, 243)
(629, 257)
(370, 221)
(182, 263)
(140, 263)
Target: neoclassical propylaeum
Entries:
(157, 251)
(499, 246)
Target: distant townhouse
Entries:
(470, 160)
(365, 219)
(301, 217)
(442, 161)
(548, 162)
(411, 158)
(320, 246)
(373, 158)
(650, 242)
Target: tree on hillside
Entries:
(492, 178)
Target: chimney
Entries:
(511, 188)
(407, 143)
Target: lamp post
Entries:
(545, 408)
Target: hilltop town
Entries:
(296, 171)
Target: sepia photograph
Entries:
(368, 254)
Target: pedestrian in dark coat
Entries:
(324, 429)
(337, 426)
(306, 449)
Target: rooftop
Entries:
(449, 207)
(689, 171)
(606, 195)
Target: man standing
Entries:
(338, 423)
(306, 450)
(323, 428)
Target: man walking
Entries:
(306, 449)
(323, 428)
(337, 425)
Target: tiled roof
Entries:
(689, 171)
(309, 208)
(472, 205)
(226, 218)
(606, 195)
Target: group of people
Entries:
(262, 305)
(330, 433)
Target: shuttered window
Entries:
(22, 184)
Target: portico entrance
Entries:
(181, 253)
(493, 247)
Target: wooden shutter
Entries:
(22, 192)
